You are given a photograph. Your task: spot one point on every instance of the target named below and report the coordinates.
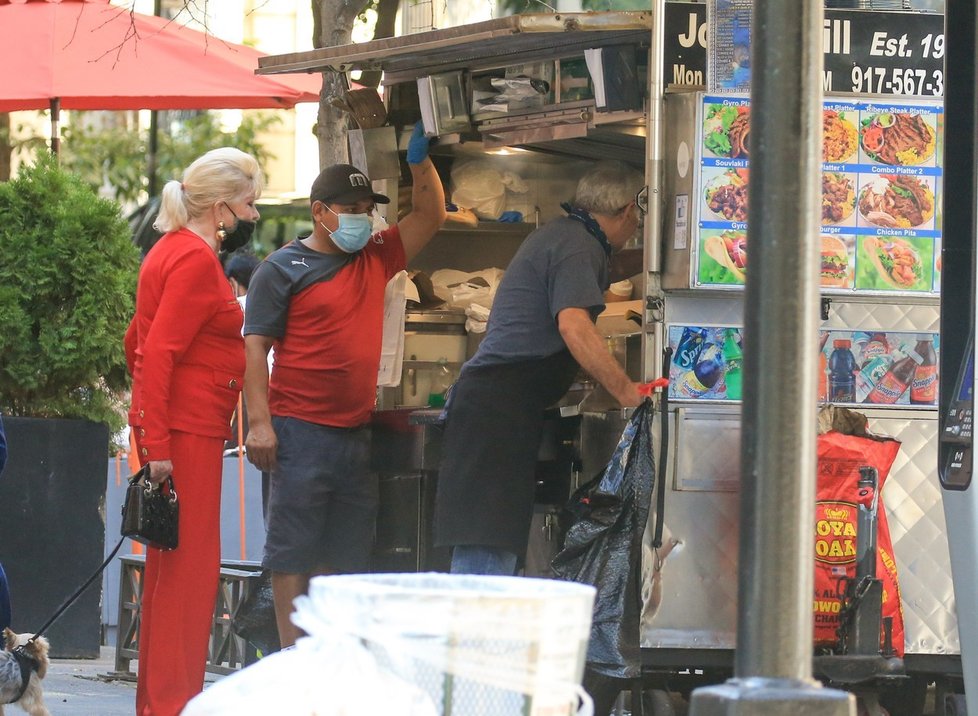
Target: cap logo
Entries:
(358, 180)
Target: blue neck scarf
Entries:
(589, 223)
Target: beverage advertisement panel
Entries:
(856, 367)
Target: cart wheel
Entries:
(658, 702)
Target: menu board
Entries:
(881, 195)
(855, 367)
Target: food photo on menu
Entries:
(897, 201)
(838, 197)
(898, 138)
(725, 195)
(893, 263)
(723, 257)
(726, 130)
(840, 139)
(837, 261)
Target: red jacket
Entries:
(183, 347)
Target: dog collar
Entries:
(27, 664)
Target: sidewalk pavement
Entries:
(91, 687)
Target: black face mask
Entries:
(240, 235)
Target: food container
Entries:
(620, 291)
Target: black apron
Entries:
(487, 475)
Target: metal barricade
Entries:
(226, 651)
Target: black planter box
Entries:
(52, 529)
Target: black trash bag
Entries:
(254, 621)
(603, 547)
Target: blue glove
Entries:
(417, 150)
(510, 217)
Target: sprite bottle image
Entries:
(733, 357)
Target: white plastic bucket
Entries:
(487, 646)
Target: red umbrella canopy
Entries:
(88, 54)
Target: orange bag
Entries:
(839, 458)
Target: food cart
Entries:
(543, 95)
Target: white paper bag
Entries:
(392, 348)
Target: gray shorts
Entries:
(322, 503)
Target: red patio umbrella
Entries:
(88, 54)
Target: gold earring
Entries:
(221, 233)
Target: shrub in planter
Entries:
(67, 281)
(68, 272)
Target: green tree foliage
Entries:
(119, 154)
(67, 280)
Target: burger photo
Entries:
(835, 263)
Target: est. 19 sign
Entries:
(884, 53)
(865, 52)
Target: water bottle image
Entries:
(842, 370)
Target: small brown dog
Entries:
(15, 688)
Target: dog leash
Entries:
(25, 661)
(78, 592)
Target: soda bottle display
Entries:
(896, 380)
(923, 389)
(870, 374)
(705, 374)
(842, 369)
(689, 347)
(875, 347)
(733, 356)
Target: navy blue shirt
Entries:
(560, 265)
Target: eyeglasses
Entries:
(642, 200)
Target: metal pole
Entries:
(154, 133)
(958, 319)
(654, 178)
(773, 660)
(55, 105)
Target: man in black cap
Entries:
(320, 302)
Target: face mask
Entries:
(353, 232)
(239, 236)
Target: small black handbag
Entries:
(150, 515)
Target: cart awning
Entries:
(479, 45)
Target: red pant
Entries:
(180, 586)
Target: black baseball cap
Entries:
(343, 184)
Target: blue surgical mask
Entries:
(353, 232)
